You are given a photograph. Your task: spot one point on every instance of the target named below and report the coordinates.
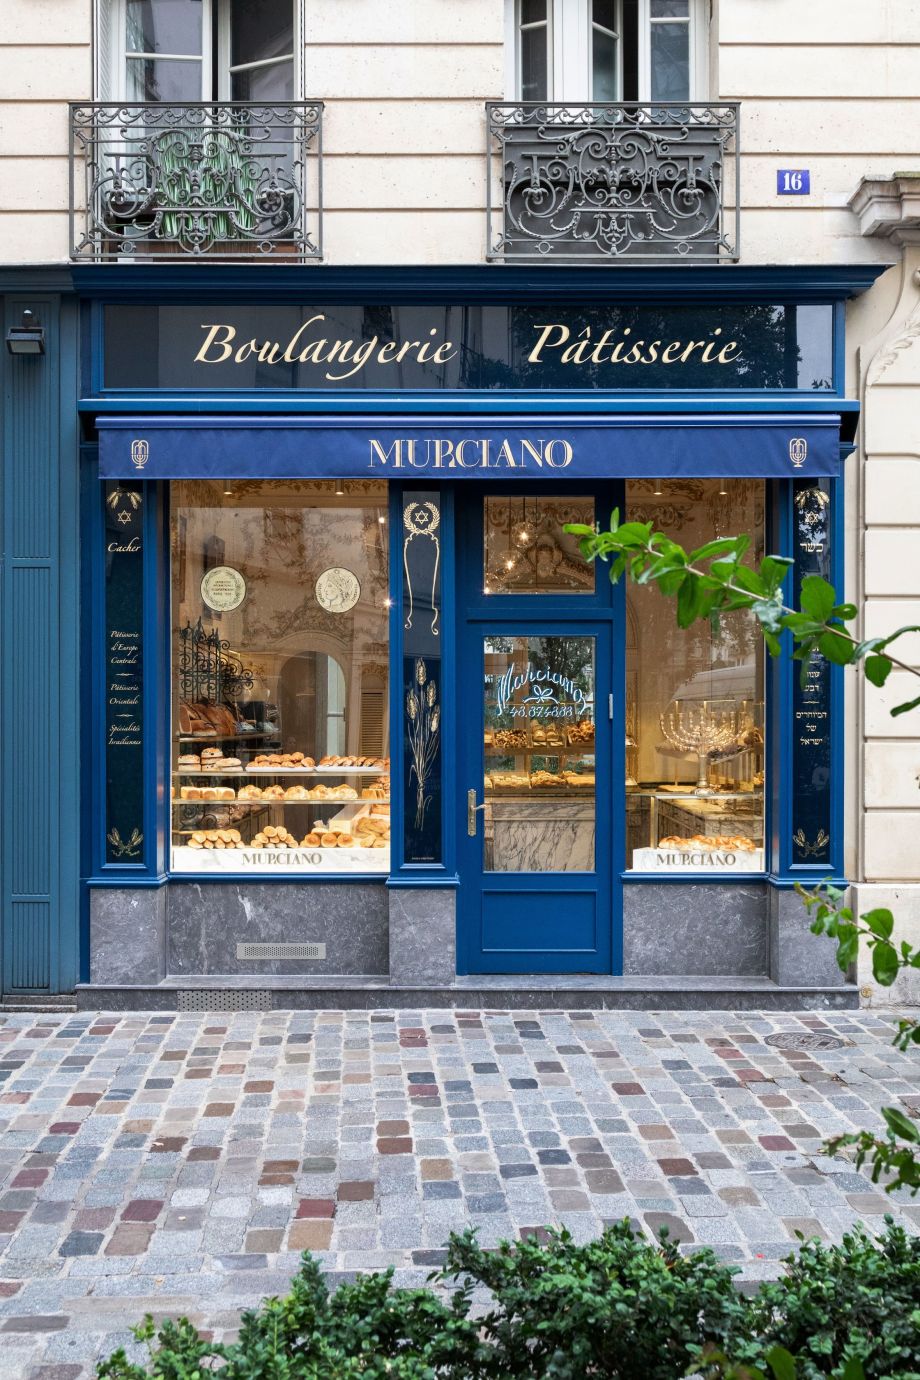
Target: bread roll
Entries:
(311, 840)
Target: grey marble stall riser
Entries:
(696, 930)
(207, 921)
(127, 934)
(799, 958)
(423, 928)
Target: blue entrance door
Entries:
(536, 754)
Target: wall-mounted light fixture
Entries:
(28, 338)
(340, 488)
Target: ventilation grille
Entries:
(281, 951)
(224, 1000)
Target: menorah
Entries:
(702, 730)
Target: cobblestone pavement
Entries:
(180, 1163)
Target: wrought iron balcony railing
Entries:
(618, 182)
(234, 180)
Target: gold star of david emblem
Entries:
(124, 516)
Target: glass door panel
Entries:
(539, 753)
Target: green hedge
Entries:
(618, 1308)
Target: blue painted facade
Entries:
(52, 582)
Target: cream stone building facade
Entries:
(830, 87)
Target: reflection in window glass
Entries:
(539, 786)
(280, 749)
(534, 65)
(158, 79)
(604, 84)
(670, 57)
(694, 699)
(163, 26)
(526, 550)
(262, 50)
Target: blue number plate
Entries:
(793, 182)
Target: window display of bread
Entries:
(581, 780)
(705, 843)
(582, 732)
(372, 824)
(274, 836)
(216, 838)
(375, 792)
(207, 793)
(378, 763)
(514, 739)
(282, 760)
(544, 779)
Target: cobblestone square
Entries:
(180, 1163)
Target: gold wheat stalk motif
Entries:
(423, 715)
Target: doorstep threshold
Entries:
(538, 990)
(475, 982)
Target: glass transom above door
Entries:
(539, 754)
(526, 549)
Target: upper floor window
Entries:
(606, 50)
(197, 50)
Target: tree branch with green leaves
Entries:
(714, 579)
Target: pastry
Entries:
(207, 753)
(190, 759)
(346, 841)
(297, 793)
(273, 793)
(310, 840)
(249, 793)
(198, 837)
(329, 840)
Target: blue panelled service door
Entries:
(538, 706)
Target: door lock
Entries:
(471, 808)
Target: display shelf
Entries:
(263, 804)
(284, 771)
(222, 737)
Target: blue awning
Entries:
(778, 446)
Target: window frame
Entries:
(569, 58)
(111, 57)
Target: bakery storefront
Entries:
(360, 718)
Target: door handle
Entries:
(471, 808)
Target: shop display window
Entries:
(694, 700)
(280, 663)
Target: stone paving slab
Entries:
(178, 1163)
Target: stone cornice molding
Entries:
(889, 208)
